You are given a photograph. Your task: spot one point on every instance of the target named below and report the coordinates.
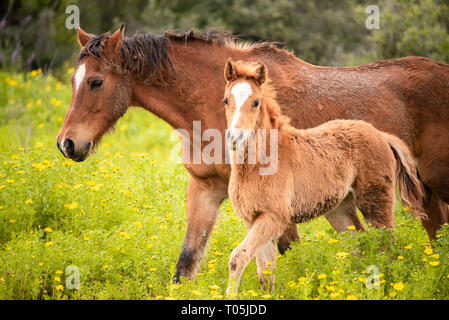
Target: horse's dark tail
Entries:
(411, 189)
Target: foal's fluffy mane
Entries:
(248, 70)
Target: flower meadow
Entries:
(112, 226)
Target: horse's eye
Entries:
(226, 101)
(96, 84)
(256, 103)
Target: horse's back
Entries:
(402, 96)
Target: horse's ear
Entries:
(83, 37)
(230, 72)
(114, 42)
(261, 73)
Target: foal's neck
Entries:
(261, 143)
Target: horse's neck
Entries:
(197, 90)
(195, 93)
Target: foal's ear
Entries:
(83, 37)
(261, 73)
(114, 42)
(230, 72)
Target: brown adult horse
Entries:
(179, 77)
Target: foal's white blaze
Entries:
(241, 91)
(79, 76)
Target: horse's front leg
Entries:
(263, 232)
(204, 197)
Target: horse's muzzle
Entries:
(68, 149)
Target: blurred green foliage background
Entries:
(326, 32)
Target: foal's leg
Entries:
(377, 206)
(266, 228)
(376, 202)
(291, 234)
(266, 260)
(345, 215)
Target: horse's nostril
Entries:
(69, 147)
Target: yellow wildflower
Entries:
(319, 234)
(60, 287)
(196, 292)
(71, 206)
(341, 255)
(398, 286)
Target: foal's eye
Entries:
(226, 101)
(256, 104)
(96, 84)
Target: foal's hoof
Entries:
(230, 294)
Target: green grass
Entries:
(119, 217)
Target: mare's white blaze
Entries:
(241, 91)
(79, 76)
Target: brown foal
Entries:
(330, 170)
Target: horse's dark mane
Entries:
(211, 36)
(146, 55)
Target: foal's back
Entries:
(329, 161)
